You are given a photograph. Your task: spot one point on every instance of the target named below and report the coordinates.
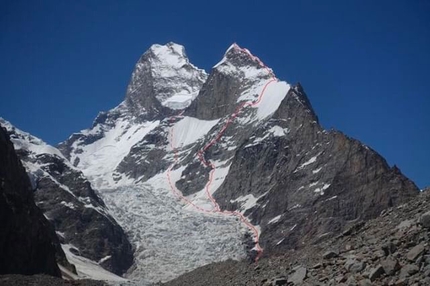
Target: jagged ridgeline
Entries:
(198, 168)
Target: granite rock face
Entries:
(28, 244)
(79, 216)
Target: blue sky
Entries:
(364, 64)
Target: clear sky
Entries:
(365, 64)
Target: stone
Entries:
(351, 281)
(390, 265)
(317, 266)
(330, 255)
(354, 266)
(376, 272)
(389, 248)
(281, 281)
(401, 282)
(405, 224)
(408, 270)
(425, 220)
(298, 276)
(379, 254)
(341, 279)
(357, 267)
(415, 252)
(365, 282)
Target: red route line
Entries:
(200, 155)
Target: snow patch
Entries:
(247, 202)
(274, 94)
(313, 184)
(69, 205)
(88, 269)
(279, 242)
(275, 131)
(275, 219)
(189, 129)
(310, 161)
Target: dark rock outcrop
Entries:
(28, 244)
(65, 196)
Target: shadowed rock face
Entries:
(80, 218)
(28, 244)
(67, 199)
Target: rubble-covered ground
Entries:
(40, 279)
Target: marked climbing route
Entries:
(200, 154)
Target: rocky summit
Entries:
(214, 171)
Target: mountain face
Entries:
(28, 244)
(200, 168)
(80, 217)
(309, 184)
(236, 160)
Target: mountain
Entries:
(201, 168)
(28, 244)
(81, 219)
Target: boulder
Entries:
(408, 270)
(390, 265)
(298, 276)
(376, 272)
(415, 252)
(425, 220)
(330, 255)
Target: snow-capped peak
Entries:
(165, 74)
(239, 60)
(170, 55)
